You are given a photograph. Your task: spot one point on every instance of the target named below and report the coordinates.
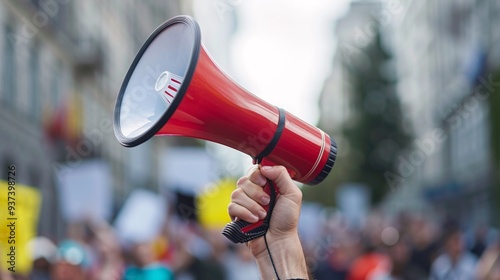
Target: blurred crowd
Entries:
(408, 246)
(183, 250)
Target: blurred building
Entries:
(359, 102)
(448, 53)
(447, 57)
(335, 99)
(62, 65)
(337, 109)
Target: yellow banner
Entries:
(19, 209)
(211, 204)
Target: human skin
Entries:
(284, 244)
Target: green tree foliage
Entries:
(374, 135)
(494, 102)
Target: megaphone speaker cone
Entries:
(174, 88)
(156, 81)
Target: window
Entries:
(34, 179)
(56, 86)
(9, 68)
(35, 82)
(5, 167)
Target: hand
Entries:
(282, 236)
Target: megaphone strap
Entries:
(277, 134)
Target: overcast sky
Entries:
(283, 50)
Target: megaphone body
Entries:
(174, 88)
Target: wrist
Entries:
(287, 256)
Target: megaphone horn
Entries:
(173, 87)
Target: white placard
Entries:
(85, 191)
(186, 169)
(353, 200)
(141, 217)
(310, 222)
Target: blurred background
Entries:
(407, 88)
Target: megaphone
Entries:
(173, 87)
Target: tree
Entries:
(375, 132)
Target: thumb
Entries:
(279, 175)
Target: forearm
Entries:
(288, 258)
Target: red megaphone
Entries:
(174, 88)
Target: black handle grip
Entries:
(241, 231)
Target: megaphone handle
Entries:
(241, 231)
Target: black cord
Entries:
(271, 257)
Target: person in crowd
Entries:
(488, 267)
(423, 241)
(401, 267)
(340, 255)
(71, 262)
(455, 262)
(43, 254)
(479, 242)
(370, 264)
(146, 267)
(196, 254)
(109, 263)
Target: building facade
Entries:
(447, 55)
(63, 63)
(335, 103)
(447, 66)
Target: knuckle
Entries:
(255, 172)
(231, 208)
(252, 176)
(235, 194)
(256, 208)
(257, 178)
(248, 189)
(281, 168)
(281, 177)
(241, 181)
